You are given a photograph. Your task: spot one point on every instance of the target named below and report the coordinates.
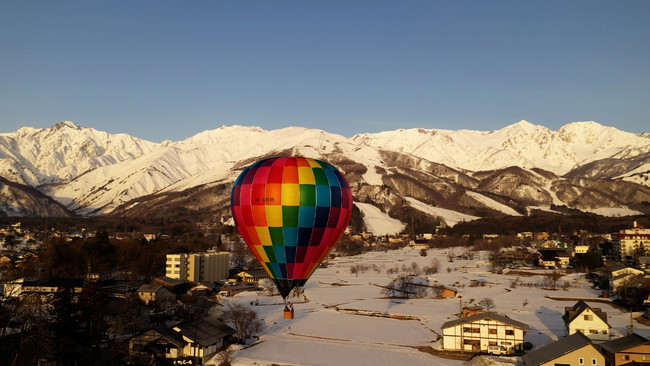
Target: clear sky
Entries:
(170, 69)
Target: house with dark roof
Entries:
(582, 318)
(624, 350)
(553, 258)
(157, 343)
(476, 332)
(252, 276)
(188, 341)
(575, 349)
(155, 293)
(203, 337)
(172, 284)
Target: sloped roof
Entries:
(168, 280)
(623, 343)
(255, 272)
(150, 288)
(619, 267)
(556, 349)
(168, 334)
(204, 332)
(552, 254)
(570, 313)
(491, 315)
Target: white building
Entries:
(633, 242)
(581, 249)
(197, 267)
(620, 275)
(475, 333)
(589, 321)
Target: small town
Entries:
(325, 183)
(162, 298)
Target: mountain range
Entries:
(412, 176)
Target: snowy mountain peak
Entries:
(524, 128)
(67, 124)
(63, 152)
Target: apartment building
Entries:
(633, 242)
(198, 267)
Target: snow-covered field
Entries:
(322, 335)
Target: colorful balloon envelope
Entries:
(291, 212)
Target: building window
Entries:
(492, 331)
(510, 332)
(625, 357)
(646, 357)
(594, 361)
(588, 317)
(593, 331)
(581, 361)
(471, 330)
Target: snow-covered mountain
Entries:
(522, 144)
(62, 153)
(413, 175)
(21, 200)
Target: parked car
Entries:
(497, 350)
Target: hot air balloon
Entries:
(291, 212)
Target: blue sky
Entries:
(170, 69)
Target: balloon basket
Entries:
(288, 312)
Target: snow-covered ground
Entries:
(450, 217)
(489, 202)
(325, 330)
(377, 222)
(614, 211)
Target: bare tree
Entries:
(552, 278)
(451, 256)
(267, 286)
(225, 356)
(433, 268)
(405, 287)
(244, 319)
(496, 260)
(514, 283)
(193, 307)
(487, 303)
(415, 268)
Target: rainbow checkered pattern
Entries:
(291, 211)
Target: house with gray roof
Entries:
(627, 349)
(155, 293)
(582, 318)
(575, 349)
(476, 332)
(203, 337)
